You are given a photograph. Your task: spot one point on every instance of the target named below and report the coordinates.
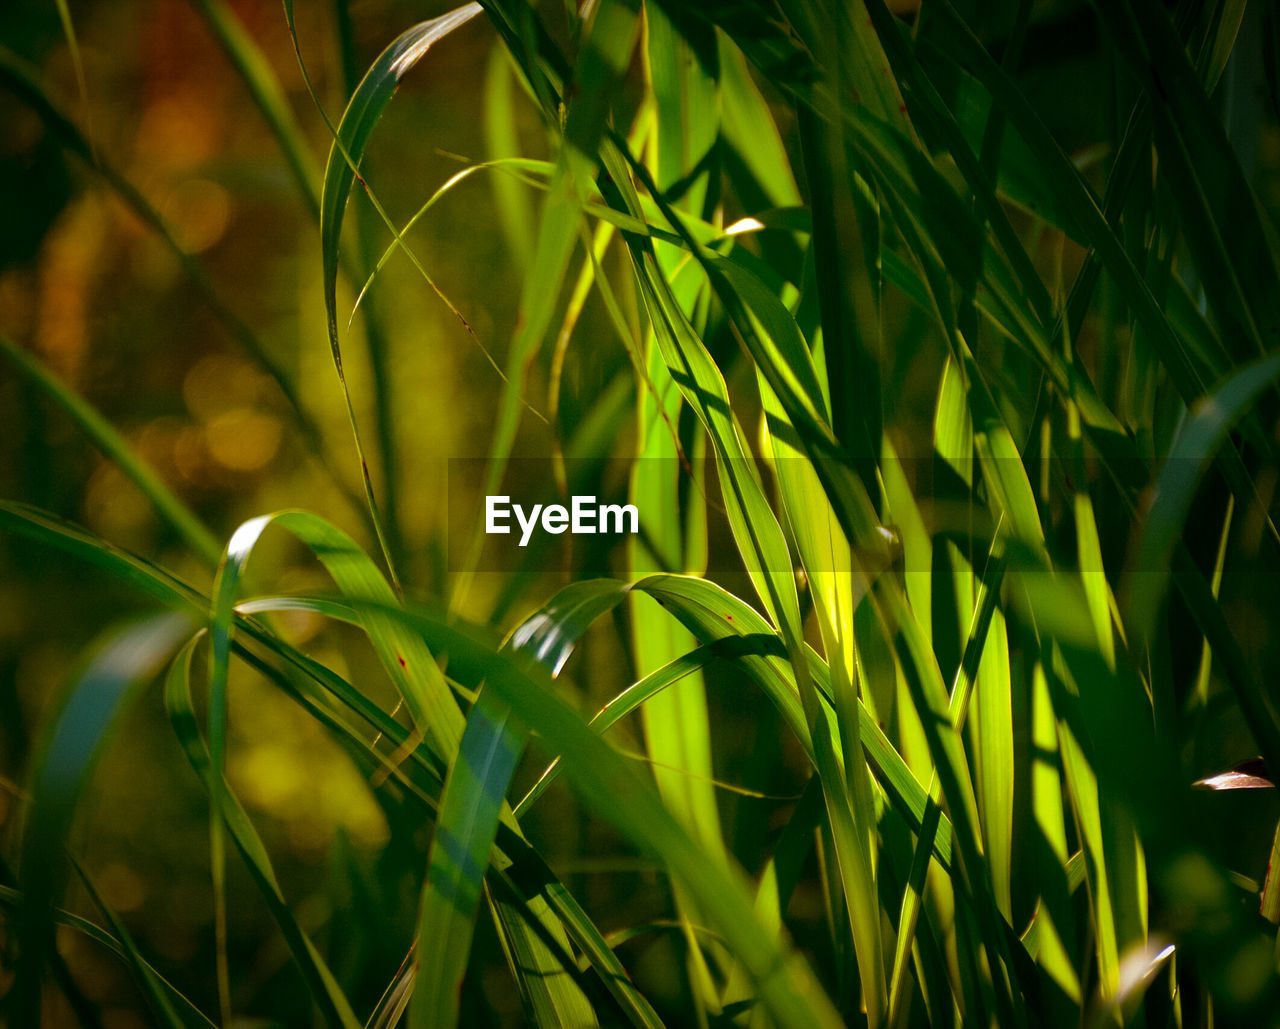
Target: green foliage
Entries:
(953, 436)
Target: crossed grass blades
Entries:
(993, 430)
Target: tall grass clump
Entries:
(937, 347)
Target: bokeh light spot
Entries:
(243, 440)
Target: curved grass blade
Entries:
(513, 164)
(44, 527)
(540, 886)
(703, 607)
(324, 989)
(727, 648)
(71, 745)
(471, 808)
(550, 634)
(405, 658)
(1201, 437)
(470, 818)
(930, 697)
(136, 572)
(177, 595)
(528, 881)
(527, 878)
(618, 792)
(191, 1017)
(158, 994)
(150, 580)
(711, 614)
(846, 260)
(352, 136)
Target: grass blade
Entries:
(23, 82)
(114, 447)
(350, 140)
(192, 1017)
(1201, 437)
(471, 808)
(226, 809)
(72, 742)
(264, 87)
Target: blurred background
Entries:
(103, 302)
(158, 344)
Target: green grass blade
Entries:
(711, 614)
(12, 900)
(226, 809)
(1053, 923)
(255, 71)
(837, 586)
(613, 788)
(404, 657)
(350, 140)
(527, 879)
(59, 535)
(635, 696)
(159, 995)
(993, 728)
(515, 213)
(1219, 213)
(734, 632)
(749, 127)
(930, 697)
(352, 137)
(785, 364)
(44, 527)
(473, 660)
(471, 807)
(460, 851)
(116, 448)
(71, 744)
(1082, 788)
(968, 677)
(1201, 437)
(682, 69)
(764, 550)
